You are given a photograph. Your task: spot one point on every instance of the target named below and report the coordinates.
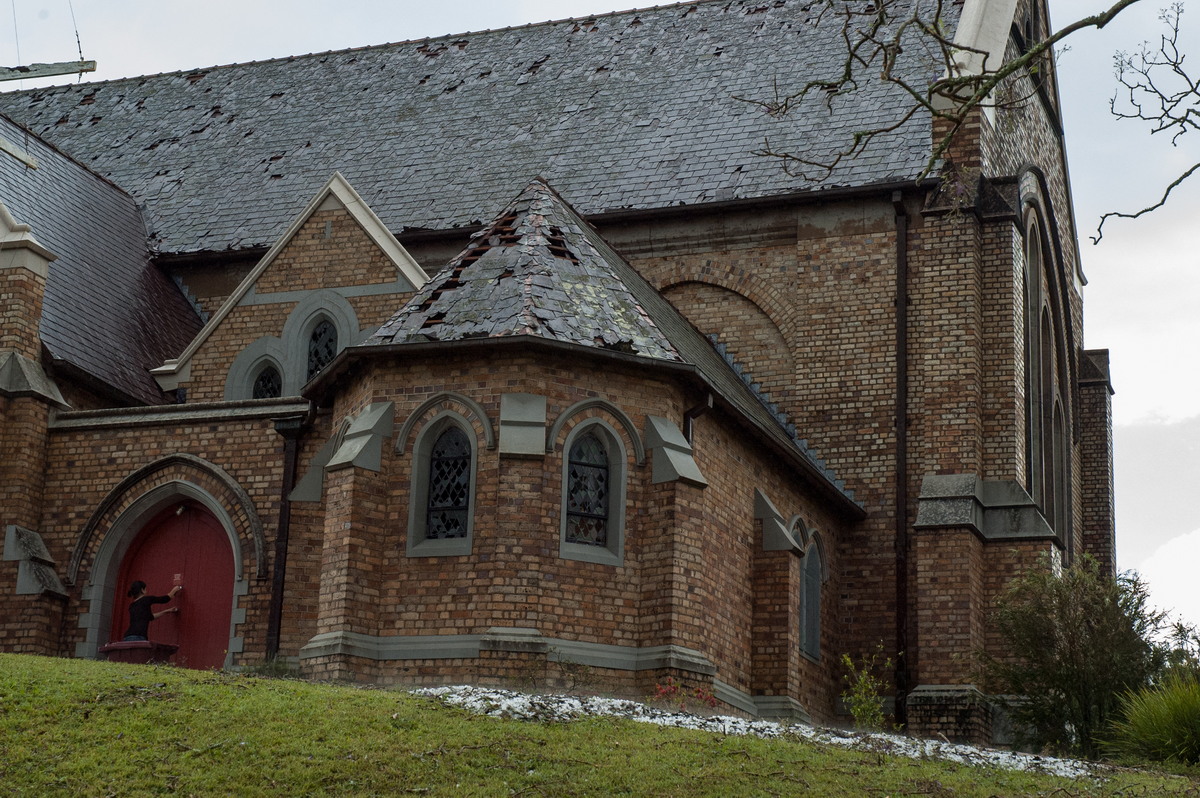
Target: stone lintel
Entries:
(779, 707)
(673, 459)
(25, 251)
(35, 567)
(402, 647)
(776, 535)
(175, 415)
(362, 445)
(500, 638)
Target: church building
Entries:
(509, 358)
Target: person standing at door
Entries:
(141, 611)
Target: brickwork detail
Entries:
(1098, 519)
(21, 292)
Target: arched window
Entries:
(268, 384)
(1045, 408)
(593, 501)
(810, 602)
(322, 346)
(441, 498)
(1047, 442)
(449, 502)
(587, 492)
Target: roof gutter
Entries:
(416, 235)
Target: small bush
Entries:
(864, 690)
(674, 694)
(1160, 723)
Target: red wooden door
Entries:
(186, 543)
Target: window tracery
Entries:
(322, 347)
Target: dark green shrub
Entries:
(1160, 723)
(1074, 642)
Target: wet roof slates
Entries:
(661, 69)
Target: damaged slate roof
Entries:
(631, 110)
(107, 310)
(540, 270)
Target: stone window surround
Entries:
(1047, 386)
(289, 352)
(613, 553)
(417, 545)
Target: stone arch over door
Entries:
(136, 502)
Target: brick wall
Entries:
(1098, 519)
(21, 292)
(329, 251)
(90, 484)
(823, 293)
(690, 552)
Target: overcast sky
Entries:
(1144, 280)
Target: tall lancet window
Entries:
(587, 492)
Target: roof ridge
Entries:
(359, 49)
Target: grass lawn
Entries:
(82, 728)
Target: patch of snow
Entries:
(558, 708)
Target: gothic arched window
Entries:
(587, 492)
(810, 602)
(593, 495)
(448, 505)
(268, 384)
(441, 499)
(322, 346)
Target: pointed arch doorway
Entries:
(184, 543)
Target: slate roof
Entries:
(632, 110)
(107, 310)
(540, 270)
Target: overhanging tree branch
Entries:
(909, 46)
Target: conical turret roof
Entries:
(538, 270)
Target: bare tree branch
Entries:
(1155, 88)
(1135, 214)
(876, 35)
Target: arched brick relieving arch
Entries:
(182, 475)
(468, 408)
(750, 338)
(749, 285)
(587, 408)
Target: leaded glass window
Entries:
(322, 346)
(449, 486)
(268, 384)
(587, 492)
